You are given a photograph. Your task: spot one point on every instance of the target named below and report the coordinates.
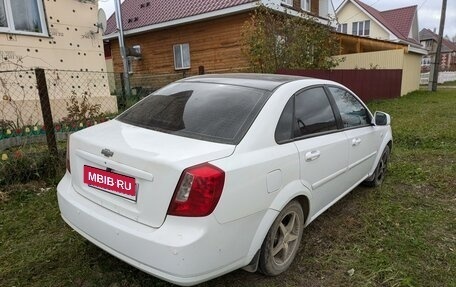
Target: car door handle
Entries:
(312, 155)
(356, 141)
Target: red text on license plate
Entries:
(115, 183)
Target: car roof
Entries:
(259, 81)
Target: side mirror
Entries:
(382, 119)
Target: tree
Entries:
(273, 41)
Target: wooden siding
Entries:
(297, 5)
(315, 7)
(350, 44)
(214, 44)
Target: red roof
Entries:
(398, 21)
(401, 18)
(140, 13)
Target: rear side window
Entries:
(352, 112)
(313, 113)
(284, 130)
(207, 111)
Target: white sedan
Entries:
(214, 173)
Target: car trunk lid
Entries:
(147, 163)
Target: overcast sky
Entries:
(428, 11)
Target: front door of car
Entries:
(323, 149)
(363, 138)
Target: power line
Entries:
(422, 4)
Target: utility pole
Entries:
(434, 75)
(123, 53)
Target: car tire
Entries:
(380, 171)
(282, 241)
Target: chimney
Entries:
(435, 30)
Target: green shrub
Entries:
(22, 168)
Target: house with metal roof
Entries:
(428, 40)
(176, 38)
(357, 20)
(397, 25)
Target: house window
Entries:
(181, 56)
(426, 61)
(305, 5)
(342, 28)
(366, 28)
(355, 28)
(361, 28)
(288, 2)
(22, 17)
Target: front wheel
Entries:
(282, 241)
(380, 170)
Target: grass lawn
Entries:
(401, 234)
(452, 83)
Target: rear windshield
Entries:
(208, 111)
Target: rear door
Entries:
(323, 149)
(363, 138)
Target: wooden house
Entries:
(448, 53)
(398, 25)
(169, 39)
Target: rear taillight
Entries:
(198, 191)
(68, 155)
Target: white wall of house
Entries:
(68, 40)
(351, 13)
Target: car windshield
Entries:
(207, 111)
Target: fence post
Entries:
(46, 111)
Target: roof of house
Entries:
(447, 46)
(141, 13)
(398, 21)
(427, 34)
(401, 19)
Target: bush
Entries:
(22, 168)
(273, 41)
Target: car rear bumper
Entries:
(183, 251)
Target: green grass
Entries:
(452, 83)
(401, 234)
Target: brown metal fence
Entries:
(367, 84)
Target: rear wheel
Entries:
(282, 241)
(380, 170)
